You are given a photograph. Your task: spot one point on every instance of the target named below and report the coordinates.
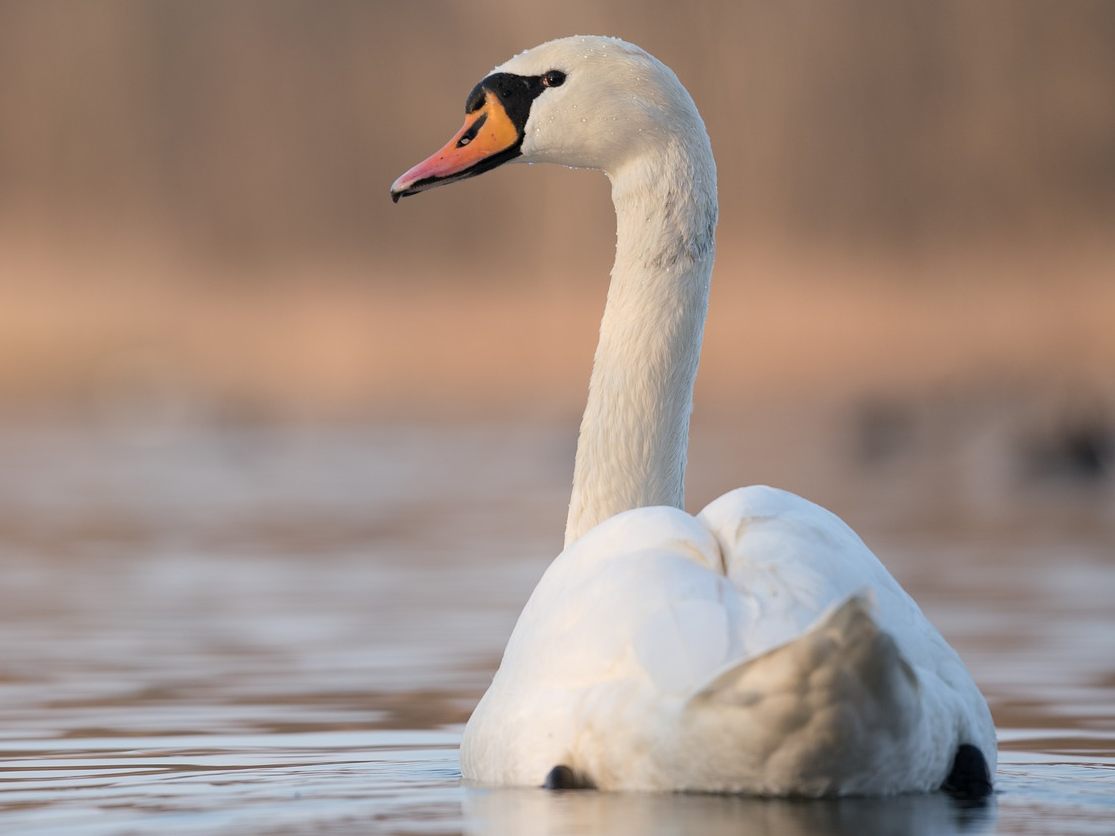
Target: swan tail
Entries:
(824, 714)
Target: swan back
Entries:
(725, 653)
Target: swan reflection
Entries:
(535, 811)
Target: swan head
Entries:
(584, 101)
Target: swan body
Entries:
(758, 647)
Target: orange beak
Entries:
(487, 139)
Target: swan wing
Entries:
(624, 626)
(643, 594)
(834, 711)
(792, 562)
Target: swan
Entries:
(758, 647)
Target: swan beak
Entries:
(487, 139)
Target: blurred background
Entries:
(221, 344)
(194, 212)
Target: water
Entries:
(283, 631)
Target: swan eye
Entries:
(554, 78)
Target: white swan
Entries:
(758, 647)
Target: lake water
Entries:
(283, 631)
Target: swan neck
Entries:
(631, 452)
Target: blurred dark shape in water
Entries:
(1078, 447)
(883, 429)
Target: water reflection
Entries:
(491, 811)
